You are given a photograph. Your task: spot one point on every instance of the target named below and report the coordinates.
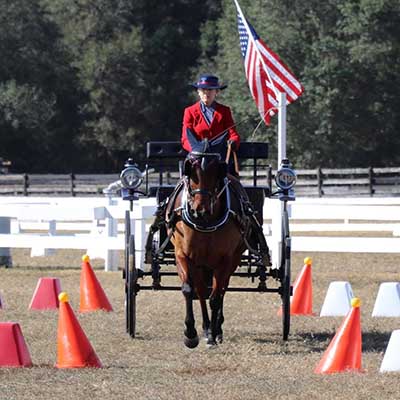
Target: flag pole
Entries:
(281, 127)
(276, 218)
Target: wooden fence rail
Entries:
(319, 182)
(55, 184)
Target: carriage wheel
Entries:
(125, 271)
(131, 288)
(155, 264)
(285, 275)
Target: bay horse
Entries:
(204, 221)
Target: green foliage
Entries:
(24, 106)
(85, 83)
(38, 96)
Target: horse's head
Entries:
(205, 172)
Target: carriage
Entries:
(264, 277)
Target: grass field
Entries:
(252, 363)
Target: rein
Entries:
(235, 159)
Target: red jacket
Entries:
(194, 120)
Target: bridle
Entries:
(204, 192)
(204, 159)
(189, 193)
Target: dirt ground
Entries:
(252, 363)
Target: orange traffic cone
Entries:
(13, 349)
(92, 296)
(344, 351)
(73, 347)
(46, 294)
(301, 301)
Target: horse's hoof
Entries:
(191, 343)
(220, 339)
(211, 343)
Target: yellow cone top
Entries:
(85, 258)
(307, 261)
(355, 302)
(63, 297)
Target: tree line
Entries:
(86, 83)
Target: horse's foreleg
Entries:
(215, 305)
(200, 278)
(206, 319)
(191, 338)
(220, 321)
(220, 285)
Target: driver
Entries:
(208, 119)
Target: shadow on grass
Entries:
(375, 342)
(139, 338)
(299, 343)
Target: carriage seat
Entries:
(161, 154)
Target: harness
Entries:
(168, 216)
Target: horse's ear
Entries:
(187, 168)
(222, 170)
(218, 144)
(194, 143)
(206, 145)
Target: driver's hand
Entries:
(232, 143)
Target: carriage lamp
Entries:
(131, 177)
(285, 177)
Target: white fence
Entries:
(95, 225)
(91, 224)
(352, 217)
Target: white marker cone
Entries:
(387, 303)
(391, 359)
(337, 301)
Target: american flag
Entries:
(265, 72)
